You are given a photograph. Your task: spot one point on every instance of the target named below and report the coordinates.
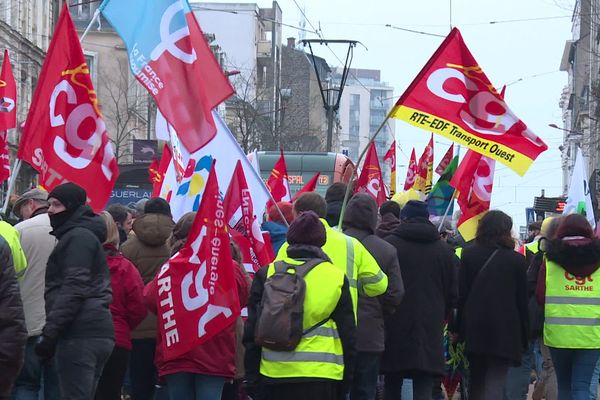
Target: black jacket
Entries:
(493, 302)
(360, 219)
(13, 333)
(414, 333)
(78, 289)
(343, 316)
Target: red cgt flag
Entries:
(370, 180)
(390, 157)
(65, 137)
(8, 96)
(411, 172)
(424, 177)
(453, 97)
(278, 183)
(310, 186)
(4, 158)
(196, 294)
(446, 160)
(474, 180)
(239, 214)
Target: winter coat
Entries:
(10, 234)
(493, 312)
(277, 232)
(37, 244)
(359, 222)
(414, 333)
(148, 251)
(78, 290)
(214, 357)
(128, 308)
(388, 224)
(13, 333)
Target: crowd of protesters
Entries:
(387, 295)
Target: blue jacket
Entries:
(278, 233)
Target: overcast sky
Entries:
(522, 48)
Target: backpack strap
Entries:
(303, 269)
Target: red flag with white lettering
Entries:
(196, 289)
(310, 186)
(4, 158)
(411, 172)
(65, 137)
(446, 160)
(239, 213)
(8, 96)
(370, 180)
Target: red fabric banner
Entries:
(411, 172)
(370, 180)
(196, 290)
(309, 187)
(390, 157)
(239, 214)
(4, 157)
(446, 160)
(424, 178)
(278, 183)
(8, 96)
(65, 137)
(453, 97)
(157, 170)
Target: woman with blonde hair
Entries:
(127, 309)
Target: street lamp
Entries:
(578, 134)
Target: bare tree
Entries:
(125, 103)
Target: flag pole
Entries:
(354, 172)
(11, 184)
(87, 29)
(447, 210)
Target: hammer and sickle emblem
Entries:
(169, 39)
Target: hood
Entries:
(388, 224)
(275, 229)
(334, 209)
(417, 230)
(361, 213)
(83, 217)
(579, 260)
(153, 229)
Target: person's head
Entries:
(112, 232)
(307, 229)
(414, 209)
(335, 192)
(548, 230)
(157, 205)
(390, 207)
(286, 209)
(180, 232)
(30, 202)
(361, 213)
(236, 253)
(121, 215)
(66, 197)
(139, 207)
(574, 245)
(534, 228)
(310, 201)
(495, 229)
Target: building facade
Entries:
(365, 103)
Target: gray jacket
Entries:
(37, 244)
(360, 220)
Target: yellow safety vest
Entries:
(319, 353)
(350, 256)
(11, 235)
(572, 309)
(533, 247)
(458, 251)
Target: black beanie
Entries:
(71, 196)
(157, 205)
(307, 229)
(414, 209)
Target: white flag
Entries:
(579, 200)
(184, 194)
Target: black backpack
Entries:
(279, 323)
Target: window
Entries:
(91, 59)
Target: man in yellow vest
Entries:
(345, 252)
(572, 306)
(320, 367)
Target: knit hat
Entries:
(307, 229)
(414, 209)
(71, 196)
(157, 205)
(286, 209)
